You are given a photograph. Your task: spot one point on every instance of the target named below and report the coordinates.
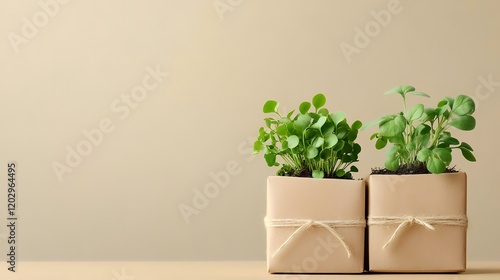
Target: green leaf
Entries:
(291, 129)
(407, 88)
(337, 117)
(440, 110)
(392, 127)
(314, 116)
(392, 164)
(402, 90)
(463, 105)
(392, 151)
(325, 154)
(304, 107)
(262, 132)
(467, 154)
(423, 139)
(422, 129)
(354, 169)
(398, 139)
(328, 128)
(258, 147)
(284, 120)
(342, 132)
(311, 152)
(340, 173)
(424, 154)
(403, 154)
(321, 121)
(281, 130)
(270, 159)
(309, 135)
(450, 101)
(352, 135)
(435, 165)
(415, 113)
(449, 140)
(381, 143)
(442, 103)
(346, 158)
(319, 100)
(318, 174)
(395, 90)
(356, 125)
(268, 122)
(430, 114)
(376, 121)
(356, 148)
(293, 141)
(444, 154)
(410, 147)
(347, 148)
(284, 145)
(418, 93)
(323, 112)
(318, 142)
(264, 138)
(339, 146)
(331, 140)
(270, 106)
(302, 122)
(373, 135)
(289, 115)
(273, 138)
(464, 122)
(466, 146)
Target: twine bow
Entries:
(427, 222)
(304, 225)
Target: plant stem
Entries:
(404, 104)
(441, 125)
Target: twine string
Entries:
(428, 222)
(303, 225)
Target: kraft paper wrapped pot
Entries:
(417, 223)
(315, 225)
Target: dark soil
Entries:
(408, 170)
(305, 173)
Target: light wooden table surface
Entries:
(206, 270)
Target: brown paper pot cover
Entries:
(417, 248)
(315, 250)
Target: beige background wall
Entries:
(73, 71)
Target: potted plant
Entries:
(417, 204)
(315, 211)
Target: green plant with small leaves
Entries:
(420, 136)
(312, 143)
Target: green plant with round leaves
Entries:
(420, 136)
(313, 142)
